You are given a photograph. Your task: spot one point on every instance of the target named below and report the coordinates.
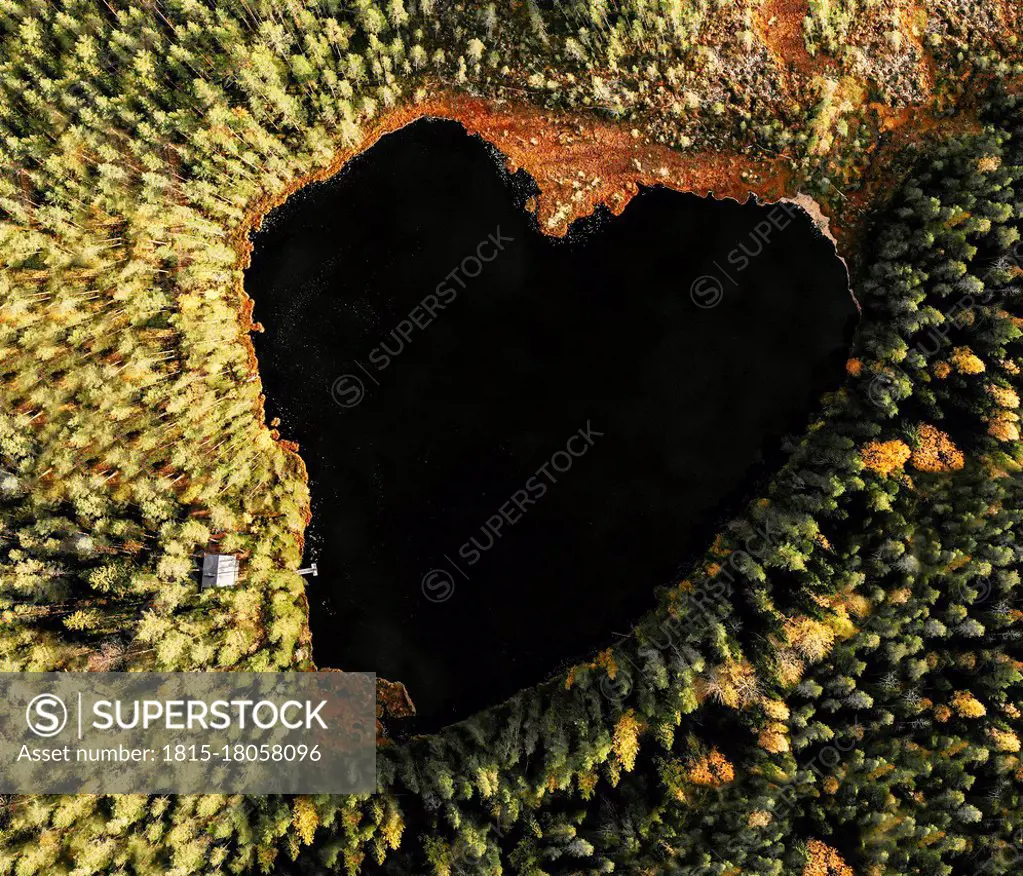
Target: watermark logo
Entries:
(708, 290)
(881, 389)
(616, 689)
(46, 715)
(438, 585)
(187, 733)
(348, 390)
(974, 591)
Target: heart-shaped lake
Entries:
(513, 440)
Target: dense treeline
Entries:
(865, 606)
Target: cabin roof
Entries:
(219, 570)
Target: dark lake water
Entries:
(512, 441)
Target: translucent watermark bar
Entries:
(187, 733)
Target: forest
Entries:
(834, 688)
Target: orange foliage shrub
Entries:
(626, 739)
(825, 861)
(936, 452)
(884, 457)
(774, 738)
(790, 667)
(712, 770)
(733, 683)
(1003, 396)
(811, 638)
(1004, 740)
(966, 361)
(1003, 426)
(305, 819)
(967, 705)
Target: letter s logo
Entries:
(46, 715)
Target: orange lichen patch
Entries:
(966, 361)
(781, 27)
(712, 770)
(824, 861)
(967, 705)
(580, 162)
(935, 451)
(854, 367)
(884, 457)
